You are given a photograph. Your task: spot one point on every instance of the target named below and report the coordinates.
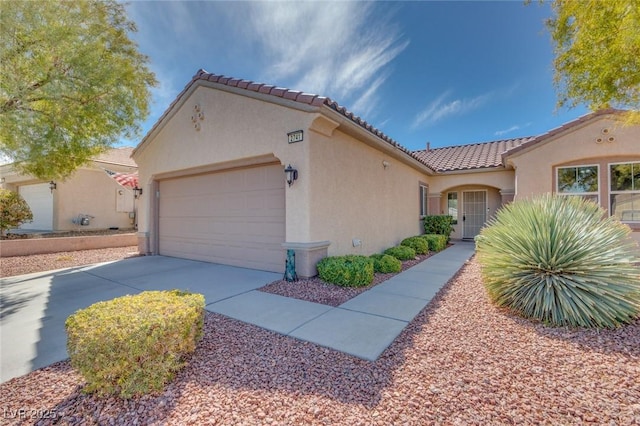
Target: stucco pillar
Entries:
(307, 256)
(507, 195)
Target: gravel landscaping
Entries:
(318, 291)
(460, 361)
(18, 265)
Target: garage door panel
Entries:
(236, 218)
(40, 201)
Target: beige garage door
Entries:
(235, 218)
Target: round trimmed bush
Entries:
(385, 264)
(401, 252)
(134, 345)
(420, 245)
(346, 271)
(560, 260)
(436, 242)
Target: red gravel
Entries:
(318, 291)
(461, 361)
(19, 265)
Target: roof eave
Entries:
(365, 135)
(551, 134)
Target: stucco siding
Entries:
(94, 193)
(234, 131)
(535, 167)
(353, 196)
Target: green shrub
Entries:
(346, 271)
(385, 264)
(435, 242)
(560, 260)
(14, 210)
(417, 243)
(401, 252)
(133, 345)
(439, 224)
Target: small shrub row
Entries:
(357, 271)
(401, 252)
(134, 345)
(418, 244)
(385, 264)
(347, 271)
(436, 242)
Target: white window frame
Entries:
(611, 192)
(424, 200)
(579, 194)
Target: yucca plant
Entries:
(560, 260)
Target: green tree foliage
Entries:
(597, 47)
(72, 83)
(14, 210)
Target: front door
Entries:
(474, 205)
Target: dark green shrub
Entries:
(385, 264)
(417, 243)
(133, 345)
(401, 252)
(435, 242)
(14, 210)
(560, 260)
(439, 224)
(346, 271)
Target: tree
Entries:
(14, 210)
(72, 83)
(597, 47)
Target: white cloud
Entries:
(441, 108)
(505, 131)
(511, 129)
(338, 49)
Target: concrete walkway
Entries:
(34, 307)
(363, 326)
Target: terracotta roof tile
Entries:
(468, 157)
(294, 95)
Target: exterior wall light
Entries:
(52, 186)
(137, 191)
(291, 174)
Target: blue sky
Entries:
(445, 72)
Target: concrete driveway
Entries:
(34, 307)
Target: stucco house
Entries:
(90, 194)
(216, 188)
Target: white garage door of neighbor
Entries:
(234, 218)
(40, 200)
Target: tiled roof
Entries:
(120, 156)
(280, 92)
(468, 157)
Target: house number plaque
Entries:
(296, 136)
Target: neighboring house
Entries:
(213, 173)
(89, 193)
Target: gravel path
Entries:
(461, 361)
(19, 265)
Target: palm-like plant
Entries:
(559, 260)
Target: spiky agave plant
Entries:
(559, 260)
